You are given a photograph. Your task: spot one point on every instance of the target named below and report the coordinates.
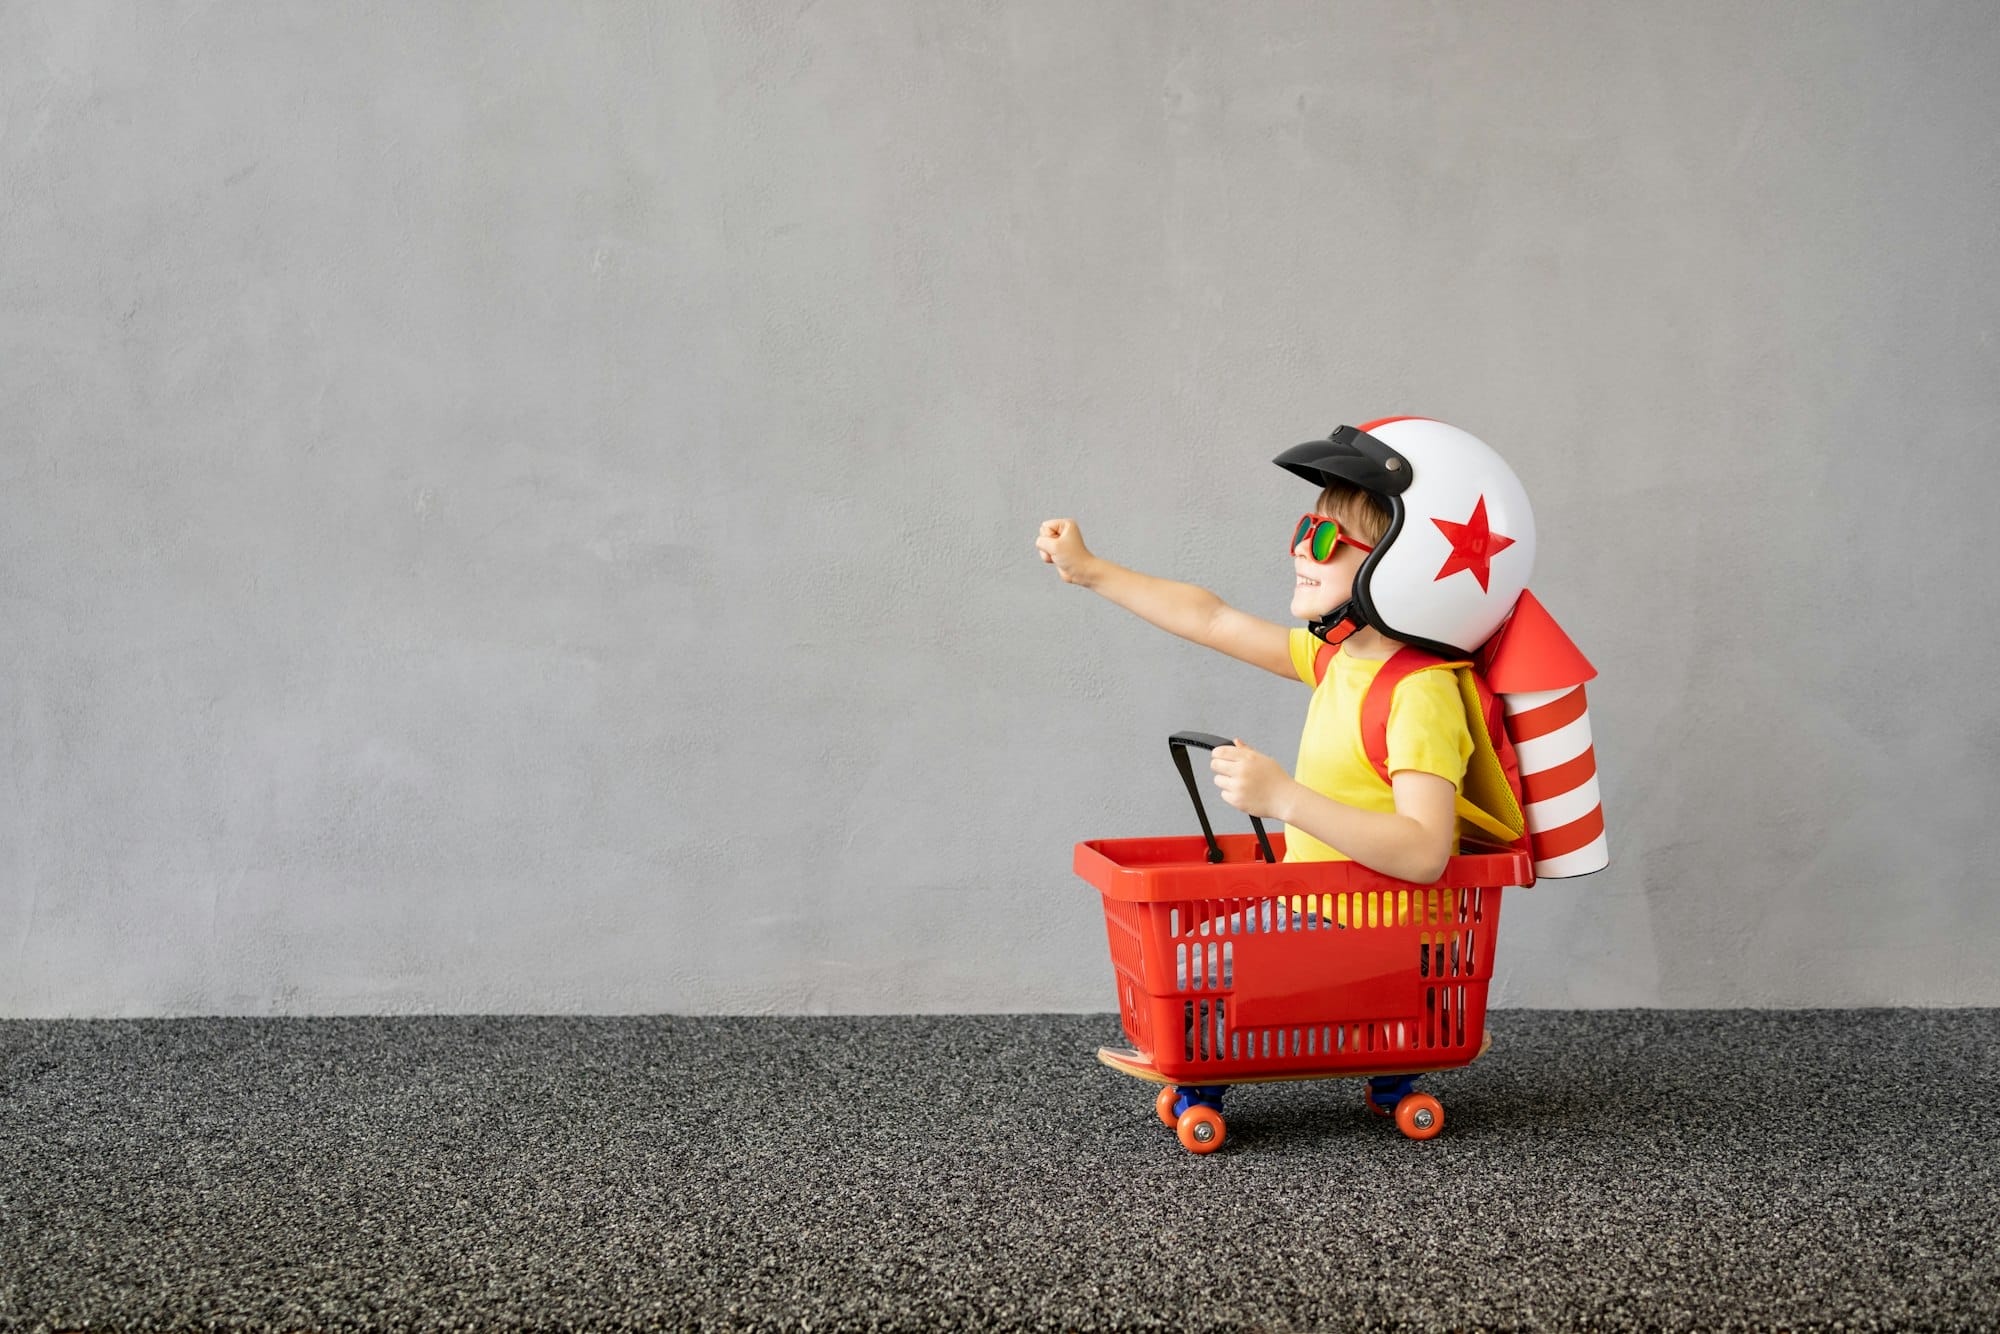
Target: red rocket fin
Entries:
(1530, 652)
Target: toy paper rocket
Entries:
(1538, 675)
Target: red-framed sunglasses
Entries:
(1324, 536)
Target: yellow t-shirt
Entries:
(1427, 731)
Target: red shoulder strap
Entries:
(1381, 694)
(1321, 659)
(1497, 732)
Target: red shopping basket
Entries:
(1234, 966)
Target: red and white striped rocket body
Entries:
(1539, 675)
(1551, 731)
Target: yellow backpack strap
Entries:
(1485, 823)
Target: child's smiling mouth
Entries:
(1307, 583)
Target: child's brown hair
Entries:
(1361, 513)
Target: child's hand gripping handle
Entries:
(1178, 744)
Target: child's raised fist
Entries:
(1061, 544)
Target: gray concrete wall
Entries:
(529, 507)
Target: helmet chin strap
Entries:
(1339, 623)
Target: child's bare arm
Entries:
(1195, 614)
(1411, 843)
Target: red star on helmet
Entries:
(1474, 544)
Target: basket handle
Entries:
(1178, 744)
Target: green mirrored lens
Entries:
(1324, 537)
(1299, 533)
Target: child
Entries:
(1337, 808)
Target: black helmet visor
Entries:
(1351, 456)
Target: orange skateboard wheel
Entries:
(1420, 1116)
(1201, 1129)
(1164, 1105)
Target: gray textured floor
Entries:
(1679, 1170)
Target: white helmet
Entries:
(1461, 540)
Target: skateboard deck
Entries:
(1129, 1062)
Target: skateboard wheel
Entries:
(1420, 1116)
(1164, 1105)
(1200, 1129)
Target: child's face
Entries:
(1318, 588)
